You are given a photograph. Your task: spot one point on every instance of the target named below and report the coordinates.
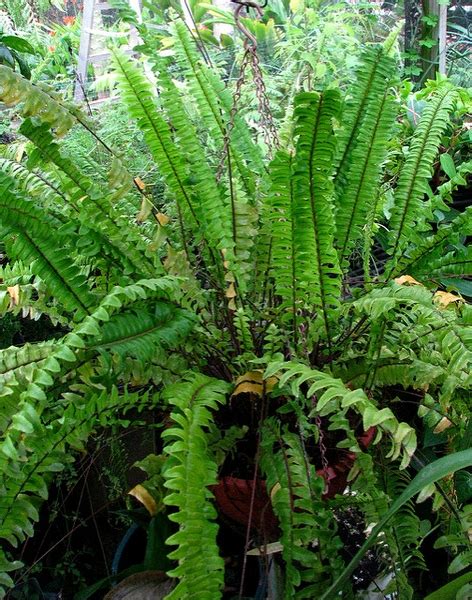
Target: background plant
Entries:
(283, 268)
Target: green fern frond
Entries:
(372, 79)
(192, 182)
(15, 89)
(281, 212)
(310, 545)
(318, 266)
(136, 333)
(121, 324)
(444, 191)
(432, 247)
(332, 397)
(454, 263)
(217, 230)
(354, 199)
(32, 298)
(137, 94)
(77, 185)
(422, 343)
(190, 469)
(416, 172)
(17, 366)
(243, 331)
(244, 226)
(37, 241)
(405, 532)
(214, 103)
(117, 237)
(37, 186)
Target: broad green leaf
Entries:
(449, 591)
(430, 474)
(460, 562)
(448, 165)
(16, 43)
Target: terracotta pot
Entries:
(336, 475)
(233, 498)
(233, 495)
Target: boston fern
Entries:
(254, 271)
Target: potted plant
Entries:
(234, 308)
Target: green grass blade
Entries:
(428, 475)
(449, 591)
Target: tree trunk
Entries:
(412, 13)
(429, 50)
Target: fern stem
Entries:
(351, 331)
(371, 375)
(265, 283)
(315, 225)
(200, 44)
(249, 523)
(367, 245)
(182, 232)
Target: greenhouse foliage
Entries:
(253, 261)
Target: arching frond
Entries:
(372, 77)
(431, 249)
(318, 266)
(189, 472)
(36, 100)
(37, 186)
(354, 197)
(38, 241)
(416, 172)
(116, 234)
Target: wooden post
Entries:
(84, 49)
(223, 28)
(442, 47)
(434, 58)
(94, 8)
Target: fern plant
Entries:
(246, 270)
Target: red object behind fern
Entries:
(233, 495)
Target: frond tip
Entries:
(189, 472)
(416, 172)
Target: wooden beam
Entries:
(105, 56)
(430, 54)
(84, 49)
(91, 7)
(442, 38)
